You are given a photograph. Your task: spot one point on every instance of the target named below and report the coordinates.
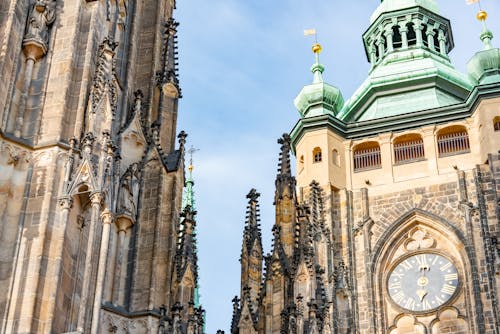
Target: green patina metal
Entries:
(411, 82)
(408, 45)
(319, 98)
(396, 123)
(393, 5)
(484, 66)
(188, 200)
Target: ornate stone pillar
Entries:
(430, 37)
(123, 224)
(373, 54)
(58, 240)
(442, 42)
(96, 199)
(106, 219)
(388, 33)
(417, 25)
(403, 30)
(380, 43)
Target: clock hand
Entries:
(422, 281)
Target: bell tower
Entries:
(395, 216)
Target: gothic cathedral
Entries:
(96, 235)
(391, 224)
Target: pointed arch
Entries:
(404, 222)
(303, 281)
(420, 231)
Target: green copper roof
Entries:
(420, 82)
(484, 66)
(393, 5)
(412, 81)
(407, 44)
(318, 98)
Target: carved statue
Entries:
(41, 17)
(129, 191)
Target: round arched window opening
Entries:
(367, 156)
(453, 140)
(408, 148)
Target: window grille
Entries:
(453, 143)
(409, 151)
(317, 156)
(367, 158)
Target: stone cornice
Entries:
(27, 145)
(396, 123)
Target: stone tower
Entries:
(93, 236)
(391, 224)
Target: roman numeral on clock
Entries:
(395, 285)
(410, 304)
(439, 300)
(398, 297)
(422, 259)
(451, 277)
(448, 289)
(445, 266)
(406, 264)
(426, 305)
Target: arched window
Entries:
(397, 40)
(367, 156)
(412, 36)
(453, 140)
(335, 157)
(317, 157)
(301, 163)
(496, 123)
(408, 148)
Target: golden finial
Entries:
(482, 15)
(316, 48)
(190, 168)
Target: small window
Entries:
(336, 157)
(301, 163)
(317, 157)
(496, 123)
(408, 148)
(453, 140)
(367, 156)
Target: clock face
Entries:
(423, 282)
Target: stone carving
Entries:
(341, 276)
(129, 191)
(406, 324)
(419, 239)
(105, 76)
(41, 16)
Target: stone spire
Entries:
(285, 198)
(251, 253)
(285, 182)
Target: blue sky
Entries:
(241, 64)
